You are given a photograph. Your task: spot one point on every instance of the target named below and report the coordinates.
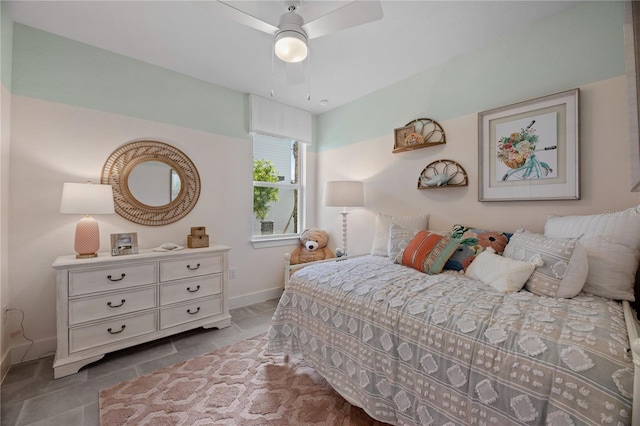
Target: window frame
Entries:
(275, 240)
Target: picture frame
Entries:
(123, 244)
(632, 55)
(530, 150)
(401, 134)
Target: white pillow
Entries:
(502, 273)
(565, 263)
(399, 239)
(380, 246)
(612, 242)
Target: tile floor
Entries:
(30, 395)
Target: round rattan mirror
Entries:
(158, 200)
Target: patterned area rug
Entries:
(237, 385)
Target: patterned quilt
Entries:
(417, 349)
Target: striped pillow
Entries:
(428, 252)
(565, 266)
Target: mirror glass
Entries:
(154, 183)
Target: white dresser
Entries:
(108, 303)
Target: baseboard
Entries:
(47, 347)
(253, 298)
(39, 349)
(5, 363)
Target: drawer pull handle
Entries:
(193, 291)
(116, 332)
(194, 268)
(193, 313)
(116, 306)
(115, 279)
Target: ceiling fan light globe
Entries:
(291, 46)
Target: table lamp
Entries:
(87, 199)
(343, 193)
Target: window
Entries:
(278, 173)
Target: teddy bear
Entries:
(313, 247)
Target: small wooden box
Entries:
(198, 231)
(197, 241)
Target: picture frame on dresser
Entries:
(123, 244)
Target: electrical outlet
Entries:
(232, 273)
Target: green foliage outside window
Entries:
(264, 171)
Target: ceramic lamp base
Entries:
(87, 241)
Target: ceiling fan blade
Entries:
(350, 15)
(230, 12)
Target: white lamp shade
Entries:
(86, 198)
(291, 46)
(343, 193)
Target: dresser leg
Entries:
(225, 322)
(72, 367)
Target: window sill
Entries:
(275, 241)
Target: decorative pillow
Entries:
(565, 263)
(502, 273)
(612, 242)
(380, 246)
(399, 239)
(427, 252)
(474, 241)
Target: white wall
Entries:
(5, 117)
(391, 179)
(6, 29)
(55, 143)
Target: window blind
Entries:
(272, 118)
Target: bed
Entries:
(415, 348)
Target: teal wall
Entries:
(581, 45)
(57, 69)
(6, 46)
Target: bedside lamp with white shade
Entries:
(343, 193)
(87, 199)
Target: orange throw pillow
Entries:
(428, 252)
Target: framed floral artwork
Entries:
(529, 150)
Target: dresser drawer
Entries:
(110, 331)
(84, 281)
(182, 291)
(109, 305)
(192, 267)
(187, 312)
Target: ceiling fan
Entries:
(292, 35)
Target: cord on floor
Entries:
(23, 334)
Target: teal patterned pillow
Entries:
(565, 263)
(474, 241)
